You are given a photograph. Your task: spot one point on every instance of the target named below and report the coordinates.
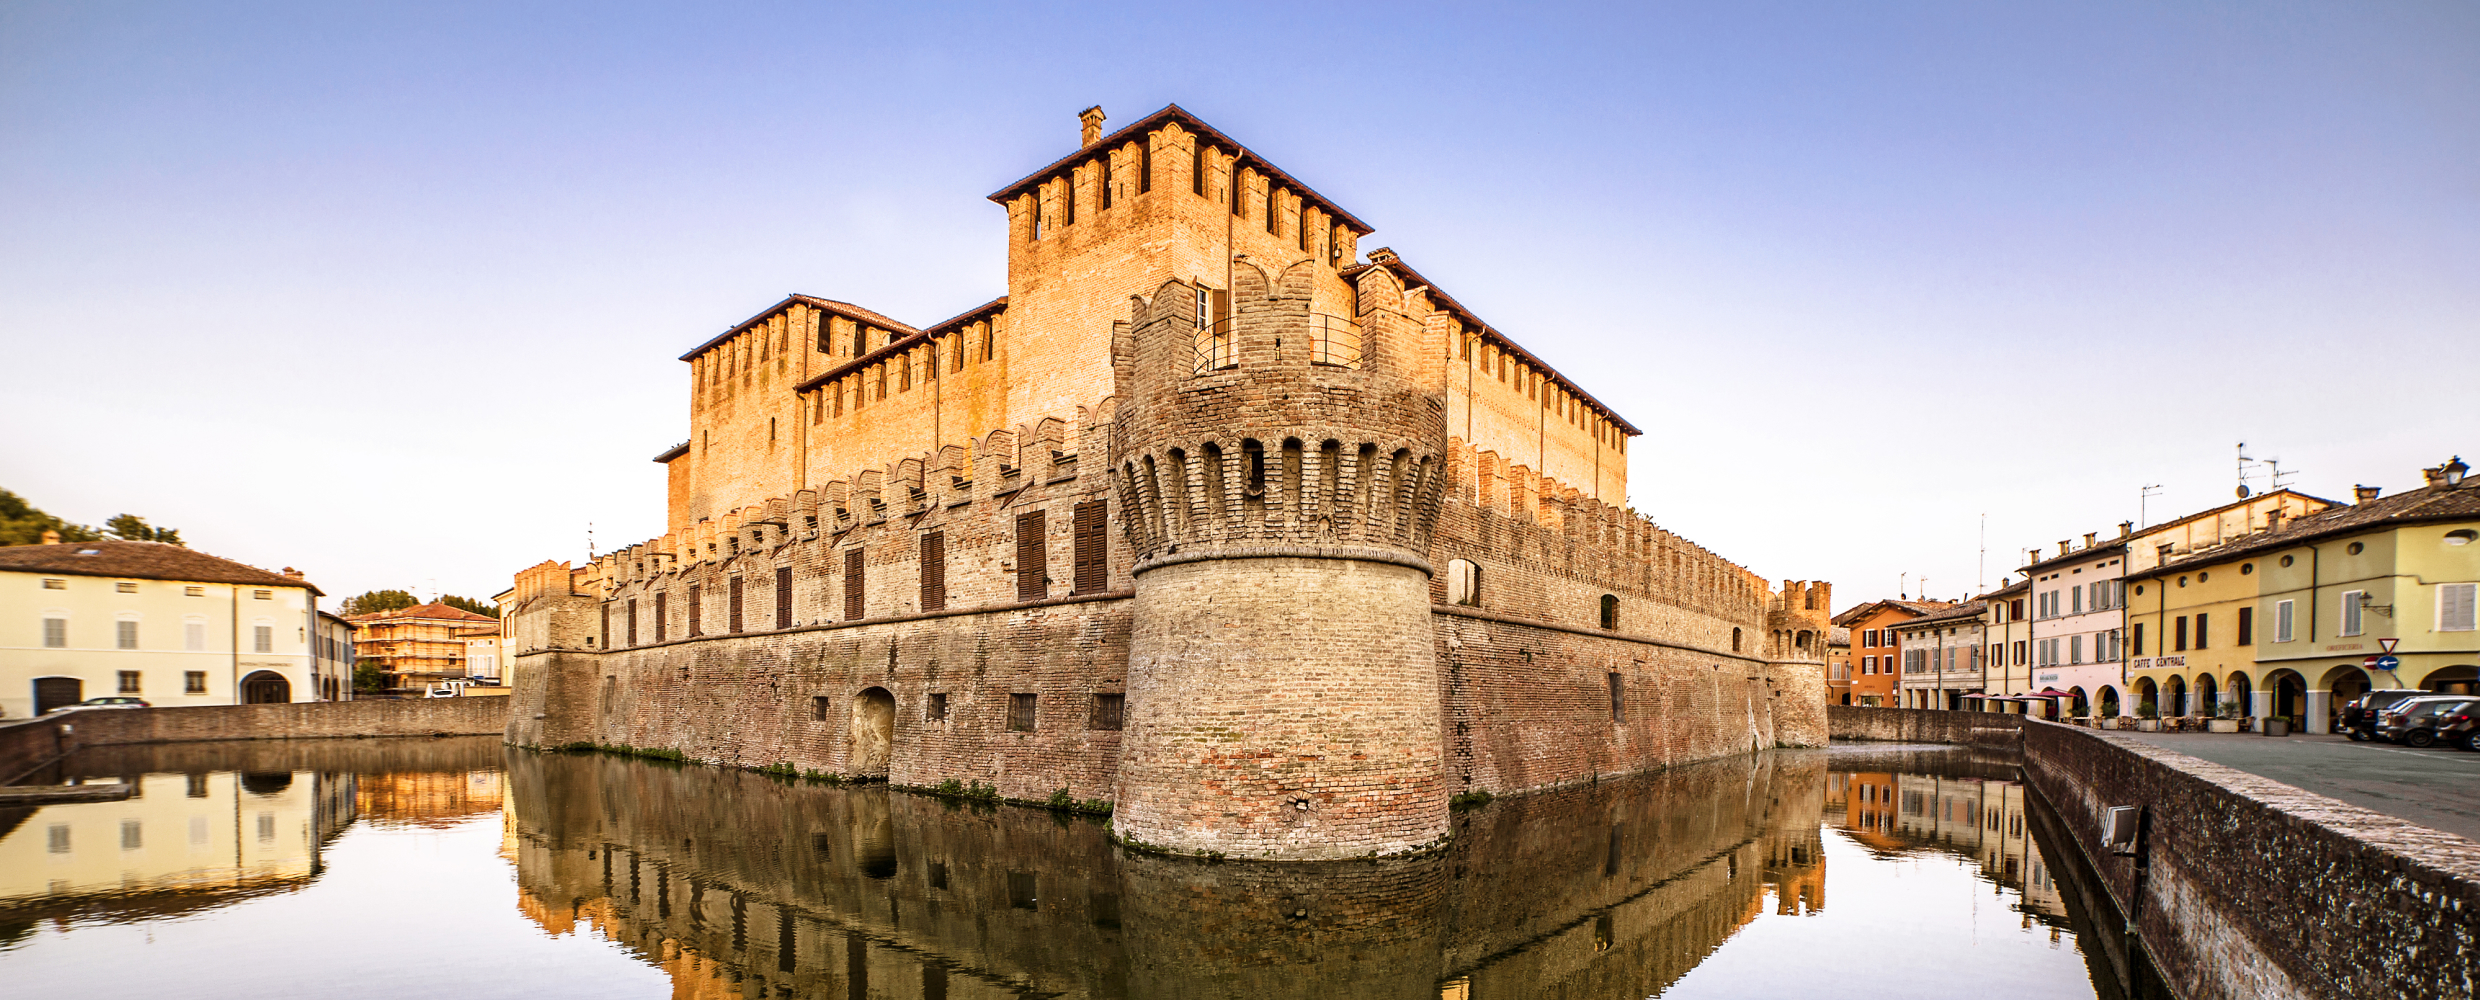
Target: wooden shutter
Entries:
(697, 609)
(934, 571)
(1093, 547)
(853, 604)
(662, 624)
(1032, 570)
(632, 621)
(783, 597)
(2458, 604)
(735, 602)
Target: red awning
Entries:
(2053, 693)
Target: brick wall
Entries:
(28, 744)
(1916, 725)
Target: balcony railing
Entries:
(1330, 341)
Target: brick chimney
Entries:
(291, 574)
(2126, 528)
(1089, 126)
(2063, 545)
(2091, 538)
(51, 537)
(2363, 494)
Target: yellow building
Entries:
(416, 646)
(2292, 620)
(162, 623)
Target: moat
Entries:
(460, 867)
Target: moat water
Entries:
(461, 868)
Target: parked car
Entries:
(2412, 722)
(2461, 727)
(101, 703)
(2359, 718)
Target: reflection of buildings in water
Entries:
(734, 882)
(429, 798)
(180, 842)
(1981, 818)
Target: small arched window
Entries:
(1464, 583)
(1610, 612)
(1734, 640)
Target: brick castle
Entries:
(1272, 547)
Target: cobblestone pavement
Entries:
(2437, 788)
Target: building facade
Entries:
(1272, 547)
(417, 647)
(2300, 616)
(152, 621)
(331, 653)
(2006, 638)
(1940, 653)
(1875, 652)
(2078, 637)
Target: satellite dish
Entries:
(2243, 491)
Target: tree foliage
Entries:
(368, 677)
(469, 604)
(22, 523)
(377, 601)
(132, 528)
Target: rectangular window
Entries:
(2020, 651)
(55, 584)
(2351, 611)
(1868, 664)
(1145, 165)
(732, 605)
(2178, 636)
(818, 708)
(1868, 638)
(783, 597)
(938, 706)
(1197, 169)
(1020, 713)
(606, 610)
(631, 621)
(1093, 549)
(264, 595)
(193, 591)
(2201, 635)
(129, 682)
(2247, 626)
(2135, 637)
(1032, 569)
(1618, 699)
(265, 639)
(662, 624)
(697, 608)
(2455, 610)
(854, 604)
(125, 587)
(934, 571)
(1109, 711)
(125, 634)
(2282, 621)
(2076, 595)
(194, 682)
(55, 633)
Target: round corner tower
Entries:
(1280, 469)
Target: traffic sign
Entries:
(2387, 645)
(2387, 662)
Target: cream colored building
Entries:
(147, 620)
(203, 837)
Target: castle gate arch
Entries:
(873, 732)
(266, 687)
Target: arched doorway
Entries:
(55, 692)
(2148, 698)
(2453, 680)
(873, 732)
(2206, 704)
(2241, 692)
(2079, 706)
(2109, 702)
(2176, 705)
(2290, 696)
(266, 687)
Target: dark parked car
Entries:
(2359, 718)
(2413, 722)
(101, 703)
(2460, 728)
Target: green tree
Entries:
(368, 678)
(376, 601)
(469, 604)
(22, 523)
(132, 528)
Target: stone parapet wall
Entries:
(1920, 725)
(29, 744)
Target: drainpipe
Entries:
(236, 644)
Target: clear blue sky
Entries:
(391, 293)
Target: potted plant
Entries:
(2225, 717)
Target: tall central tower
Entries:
(1279, 471)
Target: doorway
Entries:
(266, 687)
(873, 732)
(54, 692)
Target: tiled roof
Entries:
(2118, 547)
(1214, 137)
(845, 309)
(139, 561)
(1390, 260)
(1915, 607)
(433, 610)
(1968, 609)
(2426, 504)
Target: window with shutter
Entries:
(934, 571)
(662, 604)
(1020, 713)
(1093, 566)
(853, 603)
(733, 604)
(783, 597)
(632, 621)
(1110, 711)
(2247, 626)
(2282, 621)
(2456, 611)
(697, 621)
(1032, 571)
(2202, 636)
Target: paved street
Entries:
(2437, 788)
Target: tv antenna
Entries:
(1981, 576)
(2143, 494)
(2243, 470)
(1902, 586)
(2274, 482)
(589, 541)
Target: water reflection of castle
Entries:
(1979, 817)
(738, 884)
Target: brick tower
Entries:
(1280, 470)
